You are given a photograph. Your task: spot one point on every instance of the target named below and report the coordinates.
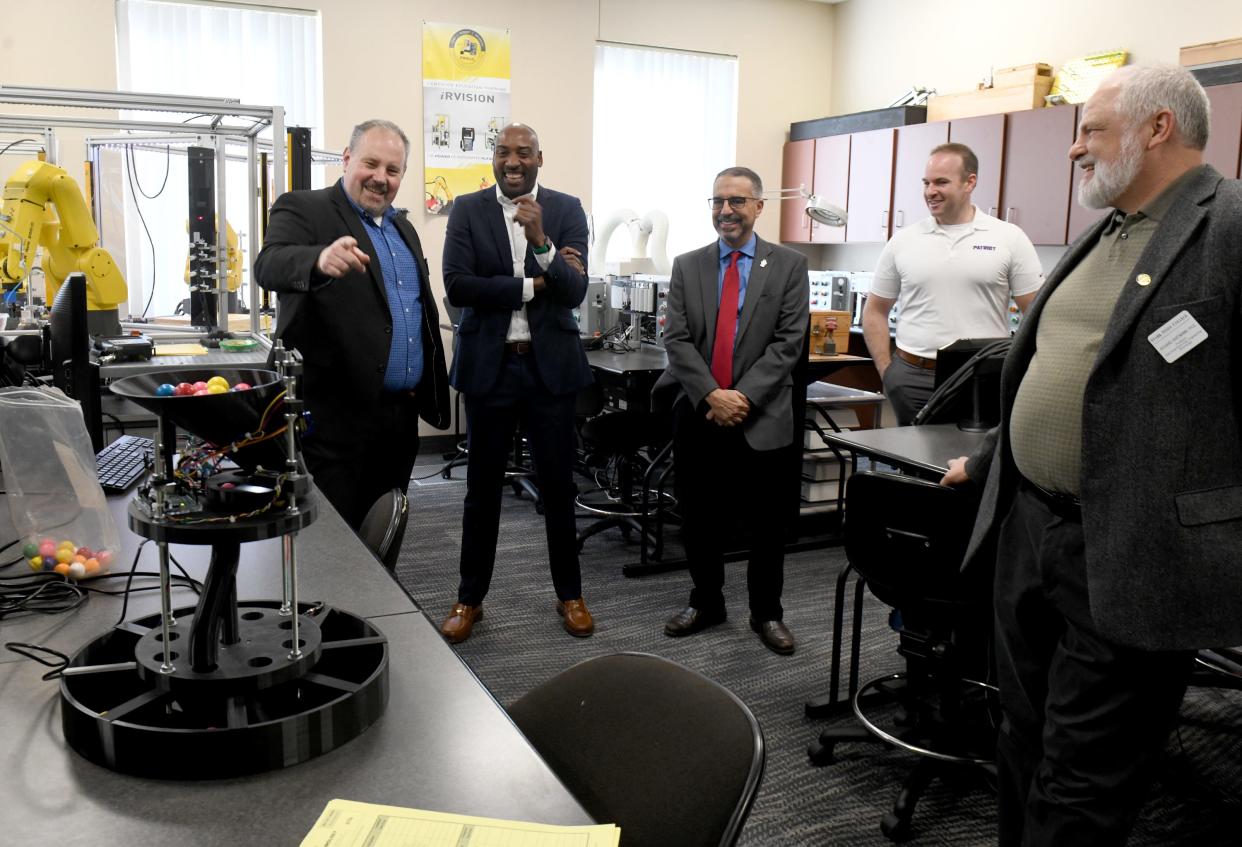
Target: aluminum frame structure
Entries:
(231, 121)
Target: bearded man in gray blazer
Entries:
(1113, 497)
(738, 313)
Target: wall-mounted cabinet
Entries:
(985, 135)
(1025, 175)
(871, 185)
(797, 170)
(820, 166)
(1035, 181)
(831, 183)
(1224, 147)
(914, 144)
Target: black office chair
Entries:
(906, 538)
(383, 528)
(628, 454)
(662, 751)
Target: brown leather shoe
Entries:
(774, 635)
(691, 620)
(456, 627)
(577, 619)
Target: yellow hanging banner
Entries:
(465, 105)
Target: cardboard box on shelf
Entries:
(1021, 75)
(990, 101)
(1210, 52)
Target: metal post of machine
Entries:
(222, 238)
(167, 621)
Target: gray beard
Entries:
(1110, 180)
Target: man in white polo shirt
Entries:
(952, 274)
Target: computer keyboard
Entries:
(123, 462)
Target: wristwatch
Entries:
(547, 245)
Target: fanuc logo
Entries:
(468, 47)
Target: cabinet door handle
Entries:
(992, 210)
(901, 218)
(1009, 210)
(884, 219)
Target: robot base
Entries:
(258, 710)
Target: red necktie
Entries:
(726, 325)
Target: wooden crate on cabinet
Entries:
(1013, 89)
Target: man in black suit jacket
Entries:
(1113, 497)
(365, 322)
(518, 360)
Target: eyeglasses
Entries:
(717, 203)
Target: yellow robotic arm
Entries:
(70, 242)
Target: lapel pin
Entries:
(1143, 279)
(763, 263)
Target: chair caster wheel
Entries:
(895, 828)
(820, 754)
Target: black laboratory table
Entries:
(443, 743)
(919, 450)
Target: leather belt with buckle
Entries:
(918, 361)
(518, 348)
(1062, 505)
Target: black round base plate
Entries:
(118, 714)
(260, 659)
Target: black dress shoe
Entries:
(691, 620)
(774, 635)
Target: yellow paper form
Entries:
(345, 823)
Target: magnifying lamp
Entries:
(817, 208)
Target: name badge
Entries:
(1180, 335)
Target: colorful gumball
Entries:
(66, 544)
(64, 556)
(217, 388)
(183, 389)
(201, 385)
(91, 565)
(47, 550)
(77, 570)
(242, 386)
(166, 390)
(85, 552)
(105, 558)
(29, 551)
(218, 380)
(203, 393)
(36, 563)
(62, 569)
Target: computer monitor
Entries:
(967, 384)
(73, 372)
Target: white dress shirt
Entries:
(519, 326)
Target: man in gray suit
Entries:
(738, 313)
(1113, 497)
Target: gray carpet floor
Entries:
(520, 643)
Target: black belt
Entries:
(517, 348)
(1065, 506)
(395, 397)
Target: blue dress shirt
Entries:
(403, 286)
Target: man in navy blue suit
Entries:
(518, 360)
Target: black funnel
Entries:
(218, 418)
